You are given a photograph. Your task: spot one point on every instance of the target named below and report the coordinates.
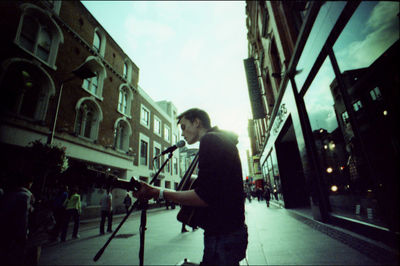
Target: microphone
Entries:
(179, 144)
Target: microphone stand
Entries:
(143, 205)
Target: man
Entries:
(218, 194)
(106, 211)
(127, 202)
(15, 208)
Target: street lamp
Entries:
(84, 71)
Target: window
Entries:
(143, 152)
(167, 184)
(125, 74)
(145, 117)
(26, 89)
(99, 42)
(157, 125)
(88, 118)
(95, 85)
(167, 134)
(375, 94)
(39, 34)
(345, 117)
(91, 84)
(357, 105)
(175, 161)
(123, 101)
(122, 133)
(157, 162)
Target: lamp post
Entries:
(83, 72)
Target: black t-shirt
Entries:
(220, 184)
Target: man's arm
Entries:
(187, 197)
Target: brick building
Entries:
(99, 119)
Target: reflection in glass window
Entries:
(326, 19)
(345, 117)
(357, 105)
(375, 94)
(373, 28)
(340, 154)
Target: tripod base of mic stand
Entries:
(186, 262)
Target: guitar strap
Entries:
(188, 173)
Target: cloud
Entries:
(381, 30)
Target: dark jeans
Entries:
(227, 249)
(75, 215)
(59, 217)
(109, 215)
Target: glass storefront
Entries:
(353, 116)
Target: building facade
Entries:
(323, 85)
(98, 120)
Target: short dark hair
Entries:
(194, 113)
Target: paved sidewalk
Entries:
(275, 238)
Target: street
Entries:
(275, 238)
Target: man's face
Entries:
(190, 131)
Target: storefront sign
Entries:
(279, 119)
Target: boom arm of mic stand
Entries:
(143, 220)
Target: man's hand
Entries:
(146, 192)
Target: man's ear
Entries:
(197, 122)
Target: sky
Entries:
(189, 52)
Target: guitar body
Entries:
(187, 214)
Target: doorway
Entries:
(295, 193)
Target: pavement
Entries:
(276, 237)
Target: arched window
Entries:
(26, 89)
(88, 118)
(125, 74)
(99, 42)
(39, 34)
(95, 84)
(122, 133)
(125, 100)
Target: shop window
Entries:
(323, 25)
(345, 172)
(379, 22)
(375, 49)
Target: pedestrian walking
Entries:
(106, 211)
(59, 211)
(127, 202)
(73, 210)
(15, 207)
(267, 195)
